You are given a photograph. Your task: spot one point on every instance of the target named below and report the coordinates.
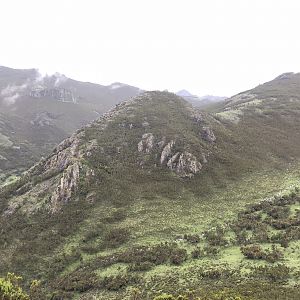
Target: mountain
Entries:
(37, 112)
(159, 197)
(205, 102)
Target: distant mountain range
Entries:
(200, 102)
(37, 112)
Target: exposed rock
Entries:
(2, 157)
(208, 135)
(197, 117)
(184, 164)
(167, 151)
(91, 197)
(68, 184)
(162, 142)
(172, 162)
(59, 94)
(147, 143)
(204, 159)
(43, 119)
(63, 154)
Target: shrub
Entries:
(165, 297)
(252, 251)
(256, 252)
(79, 281)
(215, 236)
(115, 283)
(141, 266)
(178, 256)
(116, 237)
(274, 255)
(277, 273)
(211, 250)
(197, 253)
(10, 288)
(192, 238)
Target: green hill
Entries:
(158, 197)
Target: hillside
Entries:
(156, 196)
(38, 112)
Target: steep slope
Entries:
(38, 112)
(136, 197)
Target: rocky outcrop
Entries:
(54, 181)
(147, 143)
(66, 187)
(184, 164)
(208, 135)
(166, 152)
(43, 119)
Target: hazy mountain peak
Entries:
(185, 93)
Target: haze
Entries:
(207, 47)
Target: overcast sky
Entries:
(218, 47)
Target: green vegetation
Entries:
(10, 289)
(135, 229)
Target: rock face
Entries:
(208, 135)
(184, 164)
(59, 175)
(43, 119)
(68, 184)
(59, 94)
(166, 152)
(147, 143)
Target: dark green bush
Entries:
(277, 273)
(253, 251)
(178, 256)
(116, 237)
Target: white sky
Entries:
(218, 47)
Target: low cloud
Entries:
(12, 89)
(60, 79)
(11, 99)
(12, 92)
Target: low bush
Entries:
(277, 273)
(116, 237)
(10, 288)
